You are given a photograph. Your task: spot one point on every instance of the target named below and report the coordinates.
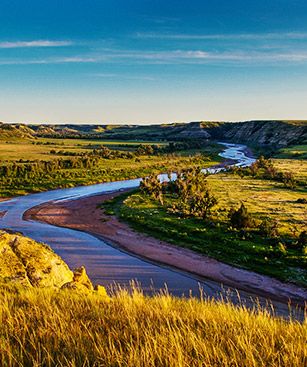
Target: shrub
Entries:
(281, 249)
(241, 218)
(269, 228)
(302, 240)
(288, 180)
(151, 185)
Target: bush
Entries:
(288, 180)
(241, 218)
(302, 240)
(281, 249)
(151, 185)
(269, 228)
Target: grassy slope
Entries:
(293, 152)
(263, 199)
(43, 328)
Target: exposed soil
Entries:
(83, 214)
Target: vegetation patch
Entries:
(254, 224)
(46, 164)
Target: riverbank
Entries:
(83, 214)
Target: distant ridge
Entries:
(15, 131)
(278, 133)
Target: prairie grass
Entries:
(39, 327)
(263, 198)
(297, 166)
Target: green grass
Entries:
(251, 251)
(297, 166)
(263, 199)
(40, 327)
(104, 171)
(40, 148)
(296, 152)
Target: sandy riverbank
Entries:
(82, 214)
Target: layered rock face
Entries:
(271, 133)
(33, 264)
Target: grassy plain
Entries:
(295, 151)
(40, 148)
(40, 327)
(263, 199)
(107, 169)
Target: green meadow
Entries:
(75, 162)
(265, 200)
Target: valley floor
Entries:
(84, 215)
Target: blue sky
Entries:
(141, 61)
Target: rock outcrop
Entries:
(266, 133)
(81, 281)
(32, 264)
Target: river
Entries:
(106, 264)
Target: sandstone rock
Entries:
(76, 287)
(81, 277)
(28, 262)
(11, 267)
(101, 291)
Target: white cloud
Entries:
(60, 60)
(121, 76)
(35, 43)
(171, 57)
(226, 36)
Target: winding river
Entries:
(106, 264)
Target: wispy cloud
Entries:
(178, 57)
(201, 56)
(59, 60)
(235, 36)
(121, 76)
(34, 43)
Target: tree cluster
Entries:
(190, 189)
(264, 169)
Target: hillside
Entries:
(262, 133)
(176, 131)
(276, 134)
(16, 131)
(273, 133)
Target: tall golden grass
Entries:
(39, 327)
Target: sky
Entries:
(152, 61)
